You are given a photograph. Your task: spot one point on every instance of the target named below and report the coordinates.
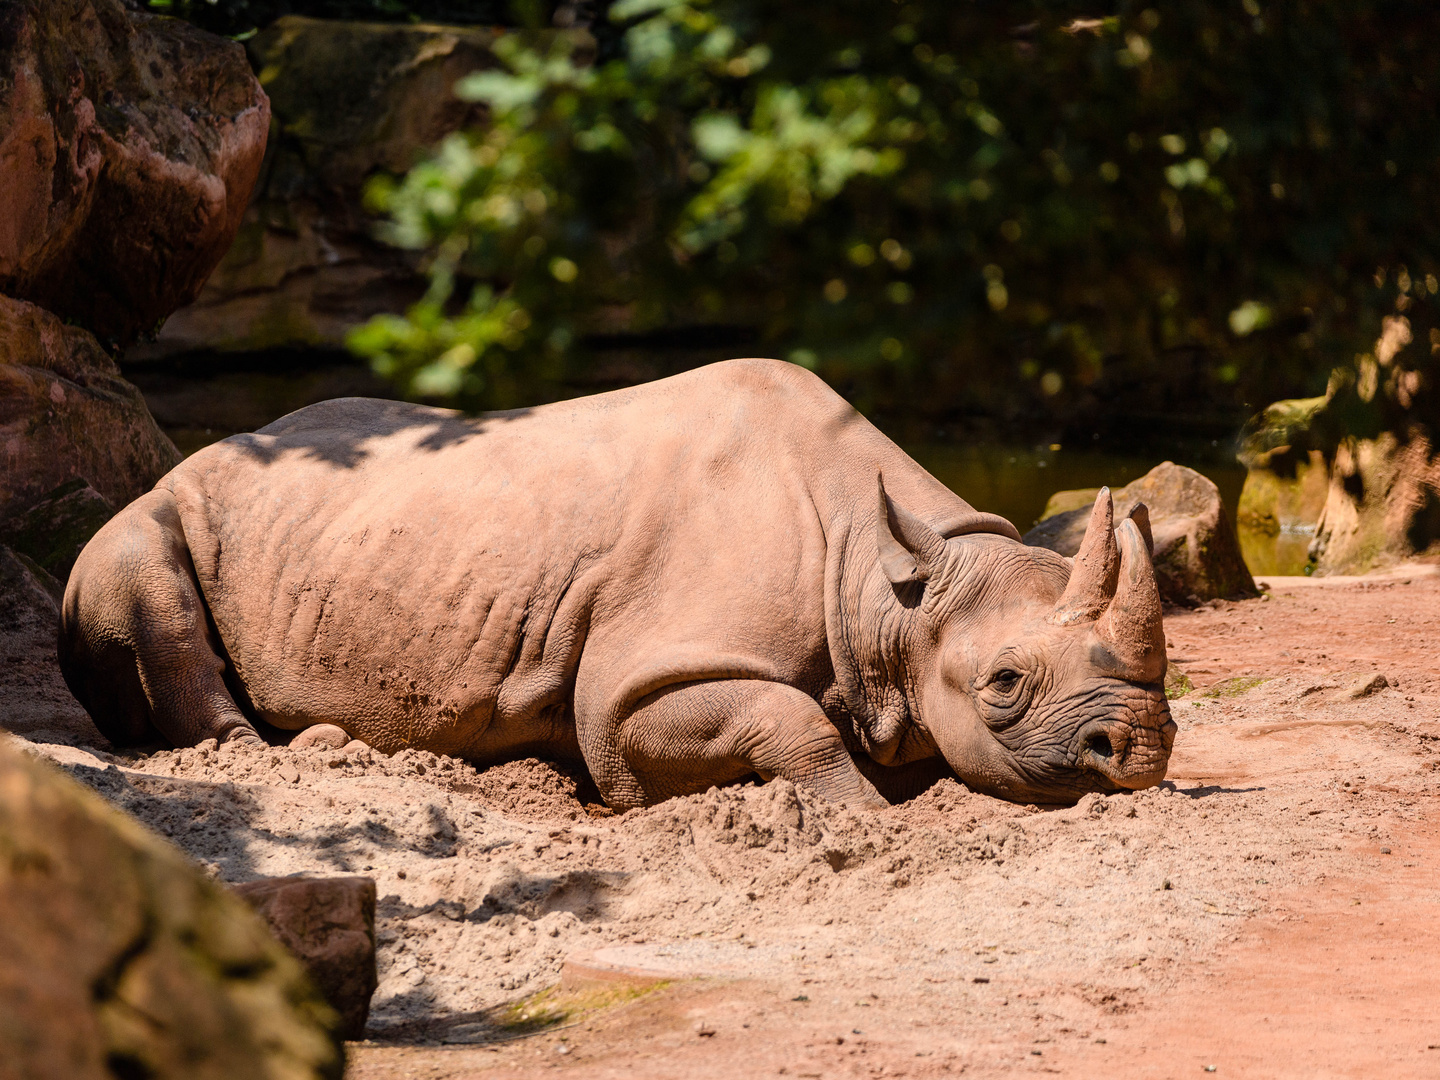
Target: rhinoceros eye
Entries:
(1003, 696)
(1005, 680)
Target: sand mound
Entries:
(489, 878)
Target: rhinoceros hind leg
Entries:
(321, 736)
(135, 646)
(687, 738)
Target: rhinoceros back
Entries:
(423, 578)
(417, 575)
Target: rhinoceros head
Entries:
(1037, 678)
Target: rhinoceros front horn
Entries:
(1131, 626)
(1097, 568)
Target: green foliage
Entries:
(1014, 208)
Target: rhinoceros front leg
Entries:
(687, 738)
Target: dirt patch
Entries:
(954, 933)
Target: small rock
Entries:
(321, 737)
(1384, 851)
(704, 1028)
(1365, 686)
(286, 772)
(329, 925)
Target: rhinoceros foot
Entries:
(322, 737)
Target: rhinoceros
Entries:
(719, 575)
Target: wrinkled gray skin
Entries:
(685, 583)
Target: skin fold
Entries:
(718, 575)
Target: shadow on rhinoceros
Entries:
(682, 584)
(433, 431)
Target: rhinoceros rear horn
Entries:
(1131, 626)
(1140, 514)
(1096, 570)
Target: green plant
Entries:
(945, 207)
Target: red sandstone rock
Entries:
(129, 144)
(329, 924)
(66, 414)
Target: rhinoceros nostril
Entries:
(1099, 744)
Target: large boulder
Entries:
(129, 145)
(328, 924)
(350, 100)
(122, 959)
(1197, 554)
(66, 414)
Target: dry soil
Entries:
(1272, 910)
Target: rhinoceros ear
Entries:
(910, 550)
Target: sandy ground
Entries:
(1272, 910)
